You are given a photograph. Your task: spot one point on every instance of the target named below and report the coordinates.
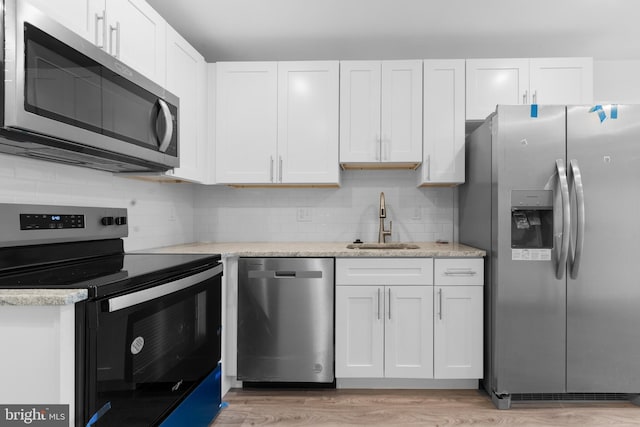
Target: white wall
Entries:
(160, 214)
(616, 82)
(342, 214)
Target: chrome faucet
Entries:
(382, 233)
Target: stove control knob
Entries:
(121, 220)
(107, 220)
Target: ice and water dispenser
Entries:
(531, 219)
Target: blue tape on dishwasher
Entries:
(614, 111)
(534, 110)
(601, 114)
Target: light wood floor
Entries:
(410, 407)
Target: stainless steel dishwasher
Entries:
(285, 320)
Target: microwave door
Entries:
(63, 92)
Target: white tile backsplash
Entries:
(225, 214)
(160, 214)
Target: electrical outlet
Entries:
(304, 215)
(417, 214)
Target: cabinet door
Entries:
(246, 122)
(458, 332)
(443, 122)
(359, 331)
(308, 102)
(136, 35)
(360, 111)
(80, 16)
(186, 78)
(495, 81)
(401, 122)
(408, 332)
(561, 80)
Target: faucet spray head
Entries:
(383, 208)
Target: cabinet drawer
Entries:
(459, 271)
(384, 271)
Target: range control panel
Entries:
(50, 221)
(22, 224)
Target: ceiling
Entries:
(250, 30)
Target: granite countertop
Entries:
(16, 297)
(41, 296)
(321, 249)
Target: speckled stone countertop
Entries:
(41, 296)
(250, 249)
(320, 249)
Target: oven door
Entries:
(150, 348)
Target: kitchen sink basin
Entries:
(390, 245)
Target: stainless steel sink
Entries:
(390, 245)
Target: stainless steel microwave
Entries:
(66, 100)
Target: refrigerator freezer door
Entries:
(528, 332)
(603, 336)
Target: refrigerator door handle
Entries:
(566, 218)
(575, 254)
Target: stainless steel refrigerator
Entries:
(553, 196)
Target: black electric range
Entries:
(149, 334)
(102, 267)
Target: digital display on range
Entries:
(50, 221)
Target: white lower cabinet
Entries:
(384, 318)
(384, 331)
(392, 322)
(457, 332)
(458, 317)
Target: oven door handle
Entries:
(128, 300)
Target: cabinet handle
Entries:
(384, 147)
(104, 29)
(378, 147)
(116, 30)
(535, 96)
(389, 303)
(440, 303)
(460, 272)
(524, 97)
(280, 168)
(428, 166)
(271, 169)
(378, 304)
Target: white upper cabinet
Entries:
(495, 81)
(136, 35)
(130, 30)
(246, 122)
(277, 123)
(187, 78)
(526, 81)
(77, 15)
(308, 102)
(561, 80)
(380, 113)
(360, 89)
(443, 122)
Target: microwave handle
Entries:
(168, 129)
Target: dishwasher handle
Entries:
(284, 274)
